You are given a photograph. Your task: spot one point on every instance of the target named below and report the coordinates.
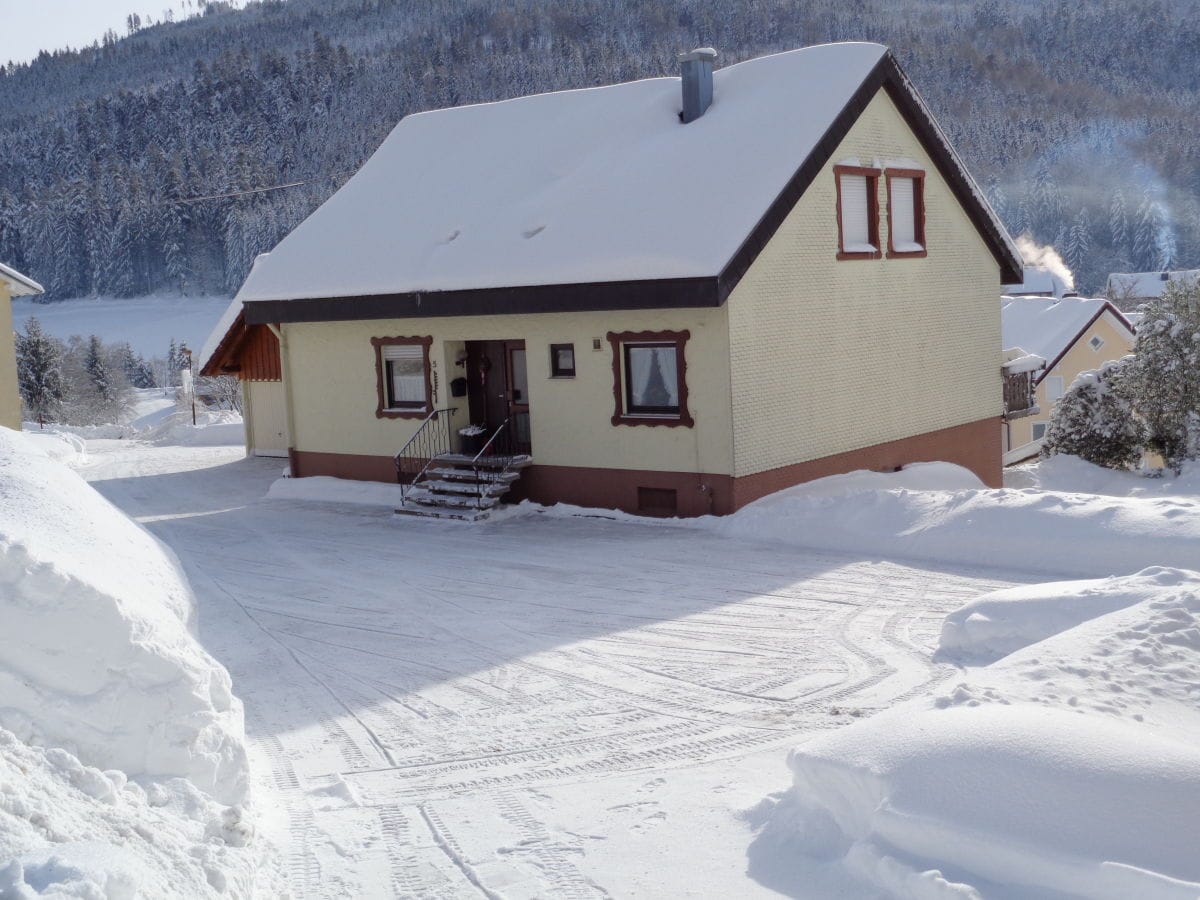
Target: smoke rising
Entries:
(1034, 254)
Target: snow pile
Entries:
(1063, 472)
(933, 511)
(97, 657)
(213, 428)
(70, 830)
(323, 489)
(1070, 768)
(1002, 622)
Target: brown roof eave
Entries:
(225, 354)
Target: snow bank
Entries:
(939, 512)
(323, 489)
(1062, 472)
(70, 830)
(999, 623)
(213, 428)
(97, 656)
(1070, 768)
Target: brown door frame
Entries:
(516, 406)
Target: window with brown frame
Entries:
(403, 384)
(649, 383)
(857, 212)
(562, 360)
(906, 213)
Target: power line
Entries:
(262, 190)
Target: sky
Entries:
(27, 26)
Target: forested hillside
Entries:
(1079, 119)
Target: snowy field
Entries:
(147, 323)
(564, 703)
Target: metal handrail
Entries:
(423, 447)
(484, 449)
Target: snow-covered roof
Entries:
(1046, 327)
(19, 285)
(577, 187)
(1144, 285)
(1038, 281)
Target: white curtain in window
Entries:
(904, 214)
(406, 373)
(653, 377)
(856, 226)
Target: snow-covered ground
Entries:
(554, 704)
(148, 324)
(541, 706)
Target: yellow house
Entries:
(12, 284)
(1073, 335)
(660, 300)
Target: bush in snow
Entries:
(1096, 421)
(1164, 378)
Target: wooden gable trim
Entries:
(671, 293)
(224, 358)
(1107, 307)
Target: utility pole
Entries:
(189, 383)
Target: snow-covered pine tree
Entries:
(97, 371)
(1096, 421)
(173, 364)
(1163, 381)
(1118, 224)
(39, 373)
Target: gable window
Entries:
(562, 360)
(649, 385)
(857, 212)
(402, 375)
(1096, 342)
(1054, 388)
(906, 213)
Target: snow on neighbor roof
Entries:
(1046, 327)
(1037, 282)
(578, 187)
(19, 285)
(1144, 285)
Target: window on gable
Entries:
(906, 212)
(1096, 342)
(649, 386)
(402, 373)
(857, 212)
(1054, 388)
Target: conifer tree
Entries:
(97, 371)
(1095, 420)
(39, 373)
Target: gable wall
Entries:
(10, 401)
(331, 366)
(833, 356)
(1080, 358)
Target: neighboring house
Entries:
(659, 311)
(1073, 335)
(12, 284)
(1129, 289)
(1038, 281)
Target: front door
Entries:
(499, 388)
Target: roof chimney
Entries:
(695, 70)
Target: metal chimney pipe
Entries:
(696, 75)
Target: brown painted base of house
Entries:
(975, 446)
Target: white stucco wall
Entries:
(832, 356)
(332, 372)
(10, 400)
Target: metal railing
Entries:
(501, 452)
(435, 436)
